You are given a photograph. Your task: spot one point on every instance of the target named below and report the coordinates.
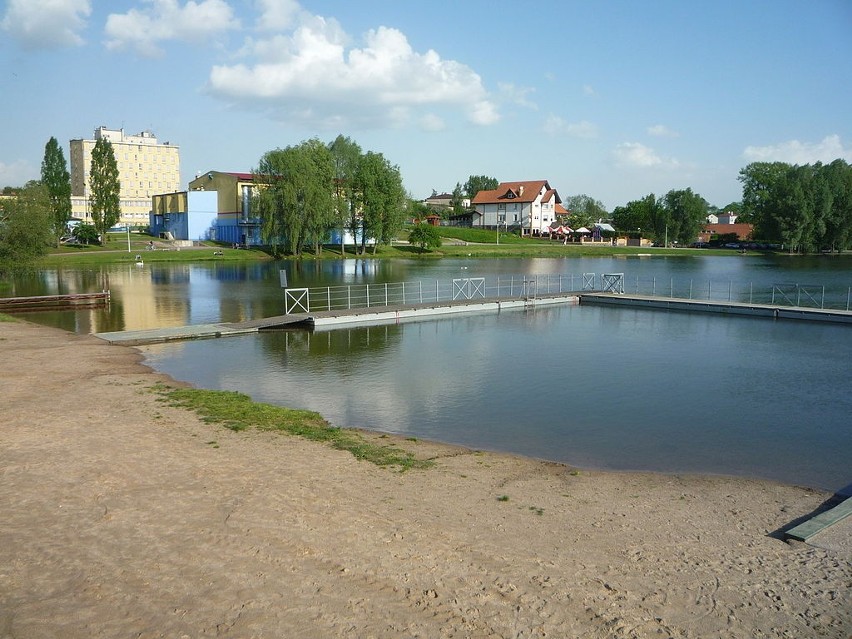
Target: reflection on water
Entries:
(593, 386)
(166, 294)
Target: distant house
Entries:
(728, 217)
(529, 206)
(235, 221)
(184, 215)
(443, 201)
(713, 231)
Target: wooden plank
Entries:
(812, 526)
(51, 302)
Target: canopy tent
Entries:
(582, 229)
(560, 230)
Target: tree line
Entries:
(675, 217)
(806, 208)
(304, 191)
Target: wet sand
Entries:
(123, 517)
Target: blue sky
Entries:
(614, 99)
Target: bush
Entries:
(86, 234)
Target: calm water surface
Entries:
(595, 387)
(591, 386)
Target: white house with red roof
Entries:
(531, 206)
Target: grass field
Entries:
(457, 242)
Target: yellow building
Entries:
(145, 168)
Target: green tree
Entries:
(733, 207)
(85, 234)
(424, 236)
(57, 181)
(295, 196)
(838, 225)
(583, 210)
(760, 182)
(105, 186)
(346, 155)
(645, 217)
(685, 212)
(25, 227)
(382, 199)
(477, 183)
(457, 201)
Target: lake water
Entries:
(595, 387)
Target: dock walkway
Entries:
(326, 320)
(321, 320)
(712, 306)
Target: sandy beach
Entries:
(124, 517)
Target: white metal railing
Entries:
(327, 298)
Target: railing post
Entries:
(437, 292)
(348, 297)
(368, 296)
(403, 292)
(730, 285)
(386, 294)
(328, 297)
(822, 301)
(798, 295)
(420, 287)
(750, 292)
(690, 288)
(848, 297)
(671, 287)
(709, 290)
(653, 286)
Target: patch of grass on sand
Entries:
(238, 412)
(7, 318)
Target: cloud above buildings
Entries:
(662, 131)
(583, 129)
(827, 150)
(637, 155)
(46, 24)
(158, 21)
(309, 72)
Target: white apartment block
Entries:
(145, 168)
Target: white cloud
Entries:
(636, 155)
(795, 152)
(309, 73)
(17, 173)
(589, 91)
(584, 129)
(46, 24)
(165, 20)
(277, 14)
(662, 131)
(517, 94)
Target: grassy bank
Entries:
(238, 412)
(457, 243)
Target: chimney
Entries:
(521, 190)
